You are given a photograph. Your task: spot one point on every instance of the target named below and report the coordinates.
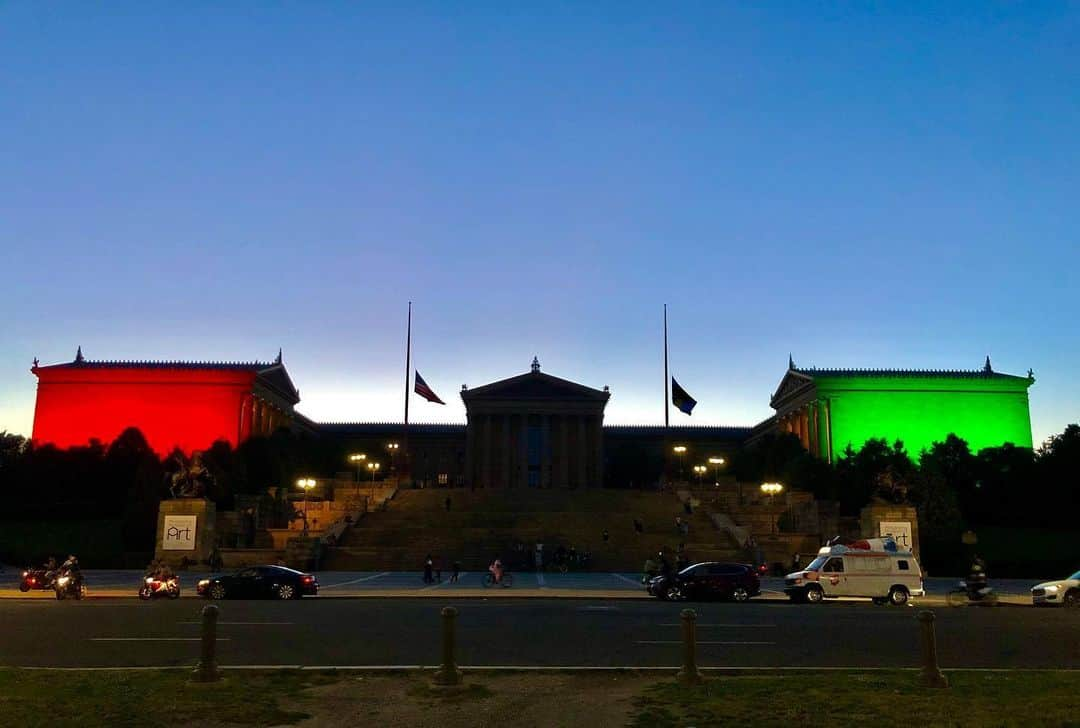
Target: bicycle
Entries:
(506, 582)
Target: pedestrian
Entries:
(428, 564)
(605, 535)
(639, 527)
(538, 557)
(688, 508)
(447, 504)
(456, 572)
(795, 561)
(678, 524)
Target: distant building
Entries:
(829, 409)
(186, 405)
(532, 430)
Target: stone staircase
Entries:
(483, 525)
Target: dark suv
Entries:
(708, 580)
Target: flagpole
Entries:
(667, 443)
(666, 405)
(408, 368)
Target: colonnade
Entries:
(544, 450)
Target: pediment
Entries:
(535, 386)
(275, 377)
(793, 384)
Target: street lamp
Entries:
(373, 467)
(393, 448)
(680, 451)
(772, 490)
(306, 484)
(358, 459)
(700, 470)
(716, 463)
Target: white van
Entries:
(873, 569)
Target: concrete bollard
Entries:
(689, 674)
(931, 676)
(448, 674)
(207, 671)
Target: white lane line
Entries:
(355, 581)
(672, 624)
(700, 642)
(540, 580)
(598, 609)
(553, 668)
(152, 639)
(620, 577)
(253, 623)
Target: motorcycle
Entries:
(154, 587)
(69, 584)
(971, 594)
(35, 579)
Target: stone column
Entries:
(598, 451)
(507, 441)
(470, 454)
(564, 451)
(545, 451)
(523, 451)
(485, 456)
(583, 453)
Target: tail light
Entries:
(308, 579)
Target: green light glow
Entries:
(923, 410)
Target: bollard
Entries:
(931, 676)
(689, 674)
(207, 670)
(448, 674)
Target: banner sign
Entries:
(900, 531)
(179, 533)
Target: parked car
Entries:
(708, 580)
(1063, 591)
(260, 582)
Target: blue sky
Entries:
(879, 185)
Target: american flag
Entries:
(425, 391)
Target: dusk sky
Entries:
(861, 185)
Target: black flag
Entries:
(680, 398)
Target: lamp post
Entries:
(680, 451)
(716, 463)
(700, 470)
(393, 448)
(772, 490)
(306, 484)
(358, 459)
(373, 467)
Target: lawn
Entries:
(592, 700)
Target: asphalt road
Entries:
(535, 632)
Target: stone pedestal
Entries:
(185, 530)
(890, 519)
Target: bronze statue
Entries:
(190, 480)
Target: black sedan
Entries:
(708, 580)
(260, 582)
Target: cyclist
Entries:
(496, 570)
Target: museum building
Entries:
(530, 430)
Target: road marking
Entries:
(152, 639)
(620, 577)
(598, 609)
(247, 623)
(356, 581)
(672, 624)
(700, 642)
(553, 668)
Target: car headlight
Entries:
(204, 582)
(1052, 589)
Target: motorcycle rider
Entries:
(70, 568)
(977, 581)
